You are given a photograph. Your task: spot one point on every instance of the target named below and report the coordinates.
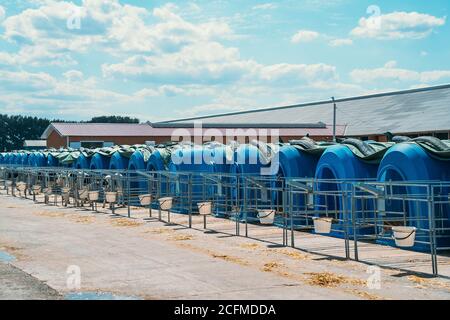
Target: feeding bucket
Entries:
(204, 208)
(21, 186)
(65, 190)
(93, 195)
(111, 197)
(166, 203)
(83, 194)
(322, 225)
(48, 191)
(36, 189)
(404, 236)
(266, 216)
(145, 199)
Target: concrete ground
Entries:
(18, 285)
(141, 258)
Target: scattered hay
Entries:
(229, 258)
(250, 246)
(325, 279)
(10, 248)
(51, 214)
(365, 295)
(417, 279)
(270, 266)
(159, 231)
(124, 222)
(293, 254)
(182, 238)
(84, 220)
(423, 283)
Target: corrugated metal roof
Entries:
(145, 130)
(418, 110)
(35, 143)
(99, 130)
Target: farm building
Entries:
(412, 113)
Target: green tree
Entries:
(113, 119)
(14, 130)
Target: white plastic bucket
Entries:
(111, 197)
(322, 225)
(93, 195)
(404, 236)
(21, 186)
(83, 194)
(266, 216)
(204, 208)
(166, 203)
(36, 189)
(145, 199)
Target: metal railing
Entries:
(356, 211)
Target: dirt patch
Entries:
(124, 222)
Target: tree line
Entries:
(15, 129)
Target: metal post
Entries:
(245, 207)
(128, 194)
(431, 227)
(346, 232)
(353, 213)
(334, 119)
(190, 199)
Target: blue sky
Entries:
(159, 60)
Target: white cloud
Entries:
(340, 42)
(40, 93)
(73, 75)
(391, 72)
(2, 13)
(106, 26)
(265, 6)
(434, 76)
(304, 36)
(166, 56)
(210, 64)
(298, 72)
(397, 25)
